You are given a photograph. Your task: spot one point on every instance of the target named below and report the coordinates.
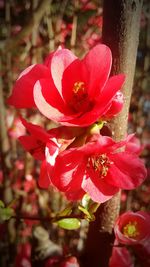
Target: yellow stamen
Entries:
(78, 86)
(131, 229)
(101, 164)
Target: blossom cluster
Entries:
(78, 95)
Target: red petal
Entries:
(45, 108)
(116, 105)
(98, 190)
(98, 64)
(74, 191)
(65, 166)
(44, 179)
(59, 62)
(38, 132)
(127, 172)
(22, 94)
(30, 143)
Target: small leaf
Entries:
(2, 205)
(69, 223)
(6, 214)
(85, 211)
(85, 201)
(89, 216)
(66, 212)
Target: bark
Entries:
(121, 33)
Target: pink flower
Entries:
(68, 90)
(97, 168)
(133, 228)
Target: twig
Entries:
(27, 30)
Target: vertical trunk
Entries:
(121, 34)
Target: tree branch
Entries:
(27, 30)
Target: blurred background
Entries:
(29, 30)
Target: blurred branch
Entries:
(74, 28)
(27, 30)
(4, 142)
(50, 29)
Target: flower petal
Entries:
(37, 131)
(44, 179)
(59, 62)
(31, 144)
(74, 191)
(98, 64)
(99, 190)
(116, 105)
(127, 172)
(22, 94)
(44, 107)
(66, 164)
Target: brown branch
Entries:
(27, 30)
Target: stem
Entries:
(74, 29)
(48, 219)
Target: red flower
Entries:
(39, 141)
(120, 258)
(97, 168)
(68, 90)
(133, 228)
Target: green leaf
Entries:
(86, 201)
(89, 216)
(6, 214)
(69, 223)
(66, 212)
(2, 205)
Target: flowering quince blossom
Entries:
(39, 141)
(96, 168)
(132, 228)
(71, 91)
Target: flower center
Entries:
(80, 100)
(100, 164)
(131, 229)
(78, 87)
